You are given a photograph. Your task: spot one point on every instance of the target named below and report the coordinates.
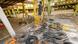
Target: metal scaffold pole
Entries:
(6, 23)
(8, 27)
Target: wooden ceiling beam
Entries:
(6, 3)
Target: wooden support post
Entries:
(17, 9)
(6, 12)
(49, 8)
(35, 6)
(76, 10)
(9, 11)
(13, 11)
(23, 8)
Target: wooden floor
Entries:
(3, 34)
